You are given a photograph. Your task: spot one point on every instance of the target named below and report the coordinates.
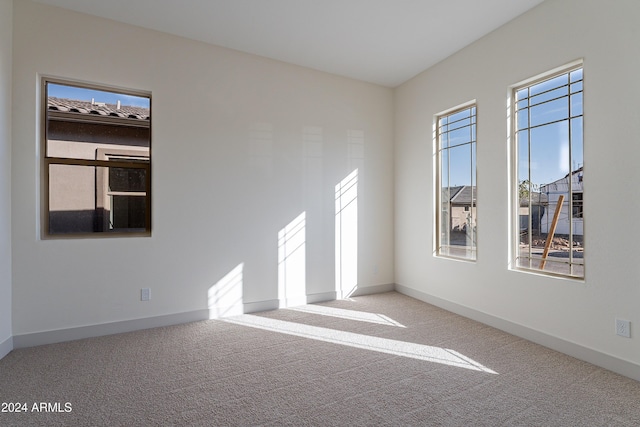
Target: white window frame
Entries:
(444, 249)
(576, 266)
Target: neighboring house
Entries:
(573, 203)
(86, 198)
(462, 207)
(538, 206)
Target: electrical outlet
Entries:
(623, 328)
(145, 294)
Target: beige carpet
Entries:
(378, 360)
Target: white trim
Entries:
(85, 84)
(70, 334)
(254, 307)
(293, 301)
(455, 109)
(566, 68)
(321, 297)
(375, 289)
(437, 178)
(623, 367)
(6, 347)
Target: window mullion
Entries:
(570, 187)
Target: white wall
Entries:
(231, 168)
(607, 36)
(6, 30)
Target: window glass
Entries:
(550, 175)
(98, 160)
(457, 190)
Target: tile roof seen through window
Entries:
(98, 108)
(461, 194)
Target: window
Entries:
(456, 183)
(577, 205)
(547, 126)
(97, 160)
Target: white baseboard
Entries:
(274, 304)
(615, 364)
(70, 334)
(321, 297)
(607, 361)
(255, 307)
(375, 289)
(6, 347)
(292, 301)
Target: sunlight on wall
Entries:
(225, 297)
(366, 342)
(347, 235)
(292, 263)
(360, 316)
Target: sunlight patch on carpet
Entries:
(382, 345)
(360, 316)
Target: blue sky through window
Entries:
(457, 134)
(83, 94)
(549, 125)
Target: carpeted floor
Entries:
(377, 360)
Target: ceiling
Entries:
(381, 41)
